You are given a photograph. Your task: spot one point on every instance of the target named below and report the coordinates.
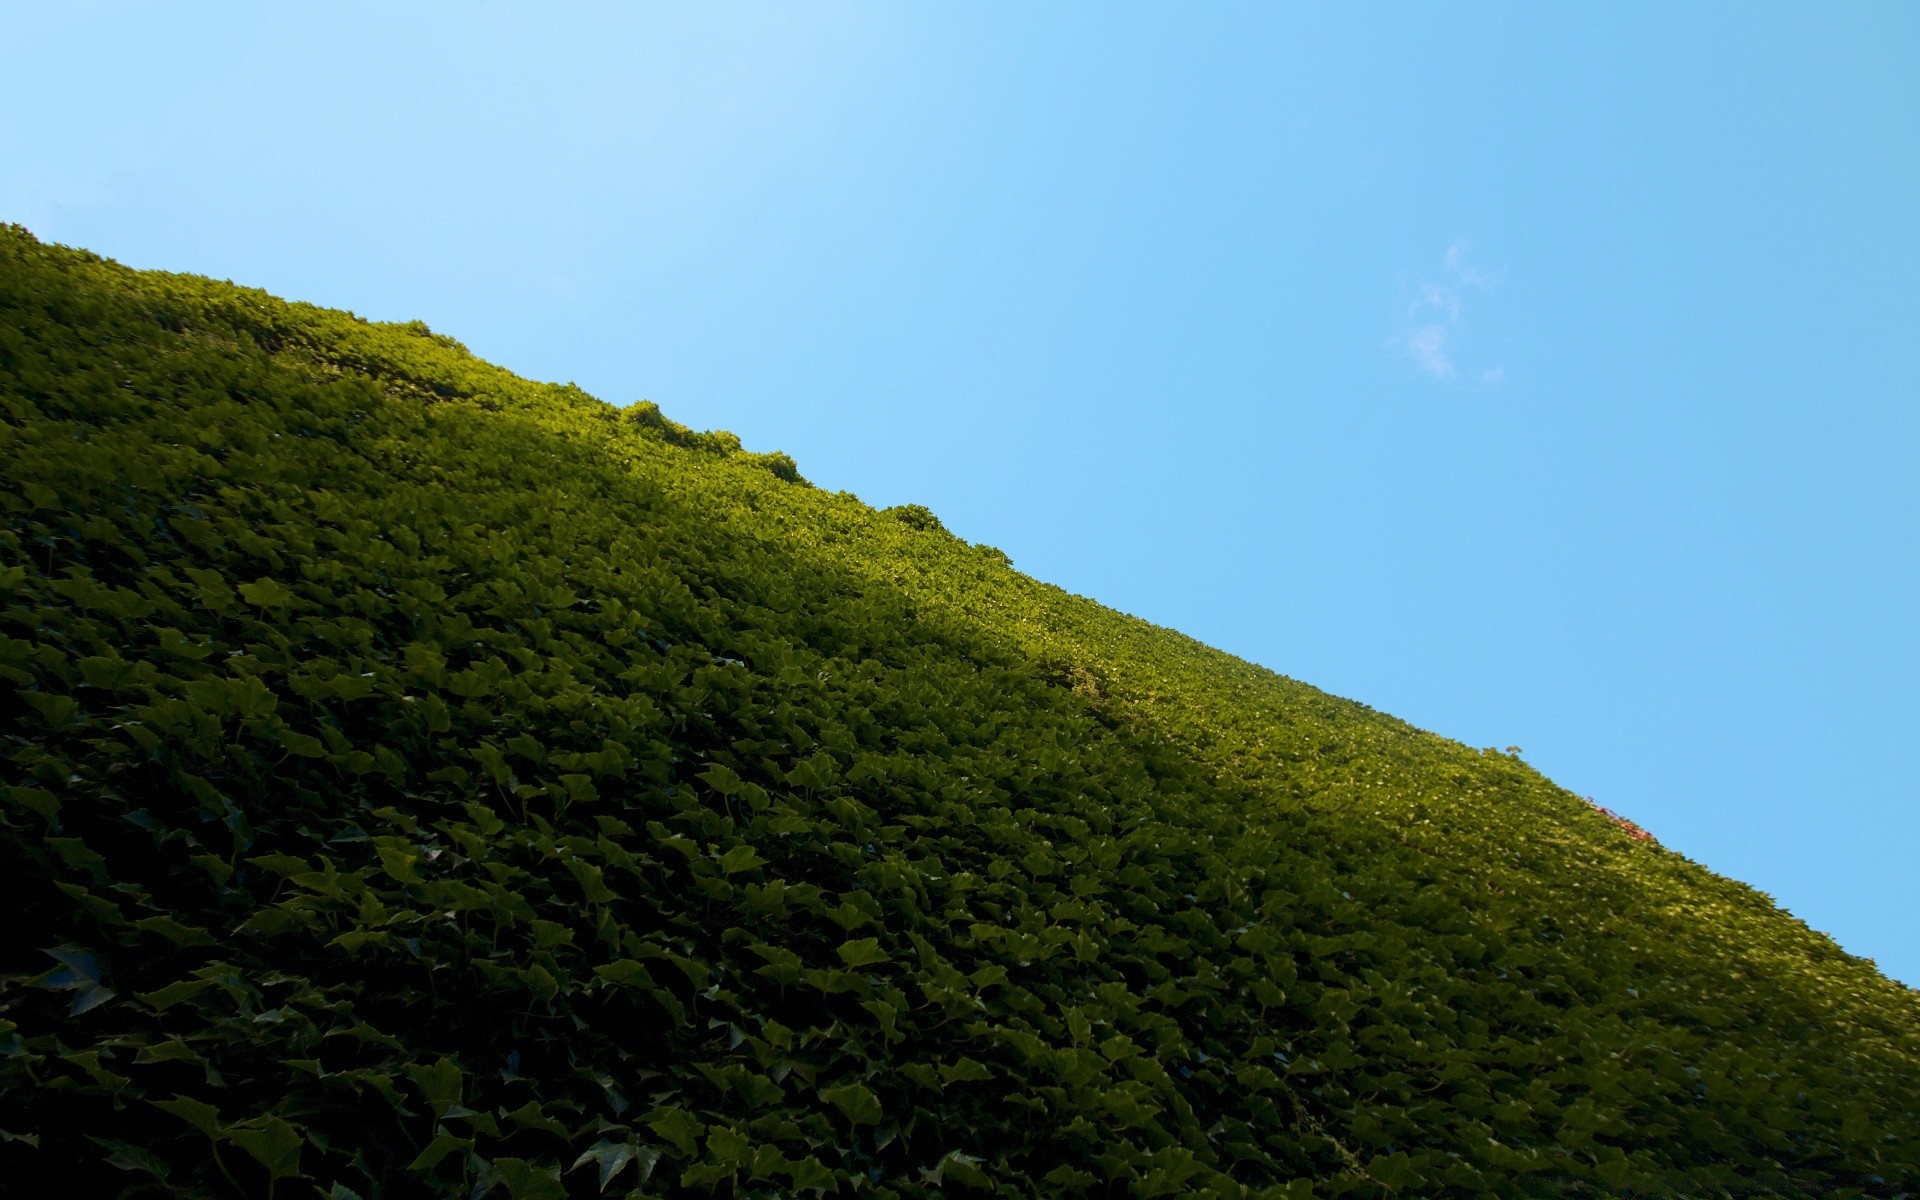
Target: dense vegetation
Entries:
(423, 782)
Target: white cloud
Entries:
(1440, 298)
(1458, 267)
(1428, 346)
(1432, 325)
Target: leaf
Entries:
(442, 1145)
(78, 967)
(678, 1127)
(85, 1000)
(541, 983)
(171, 1050)
(38, 801)
(783, 965)
(625, 972)
(862, 952)
(58, 710)
(202, 1116)
(398, 865)
(831, 982)
(525, 1181)
(174, 642)
(266, 592)
(740, 858)
(728, 1145)
(272, 1142)
(859, 1105)
(611, 1158)
(214, 866)
(809, 1175)
(850, 916)
(173, 993)
(173, 931)
(961, 1168)
(79, 972)
(645, 1158)
(886, 1014)
(965, 1071)
(530, 1116)
(1069, 1179)
(592, 882)
(304, 745)
(124, 1157)
(813, 774)
(766, 1161)
(439, 1082)
(1394, 1170)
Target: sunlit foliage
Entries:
(423, 782)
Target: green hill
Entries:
(423, 782)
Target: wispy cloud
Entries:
(1465, 272)
(1428, 346)
(1435, 320)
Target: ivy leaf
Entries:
(729, 1145)
(525, 1181)
(809, 1175)
(398, 864)
(886, 1014)
(814, 774)
(124, 1157)
(859, 1105)
(202, 1116)
(850, 916)
(39, 801)
(678, 1128)
(174, 993)
(442, 1145)
(1394, 1170)
(173, 931)
(272, 1142)
(862, 952)
(960, 1167)
(1069, 1179)
(783, 965)
(439, 1082)
(740, 858)
(174, 642)
(612, 1158)
(304, 745)
(966, 1070)
(266, 592)
(592, 880)
(831, 982)
(79, 972)
(531, 1116)
(541, 983)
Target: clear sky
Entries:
(1544, 376)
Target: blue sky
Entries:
(1544, 377)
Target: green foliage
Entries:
(916, 516)
(646, 415)
(422, 782)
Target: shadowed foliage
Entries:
(423, 782)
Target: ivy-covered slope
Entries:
(423, 782)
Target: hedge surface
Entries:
(417, 781)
